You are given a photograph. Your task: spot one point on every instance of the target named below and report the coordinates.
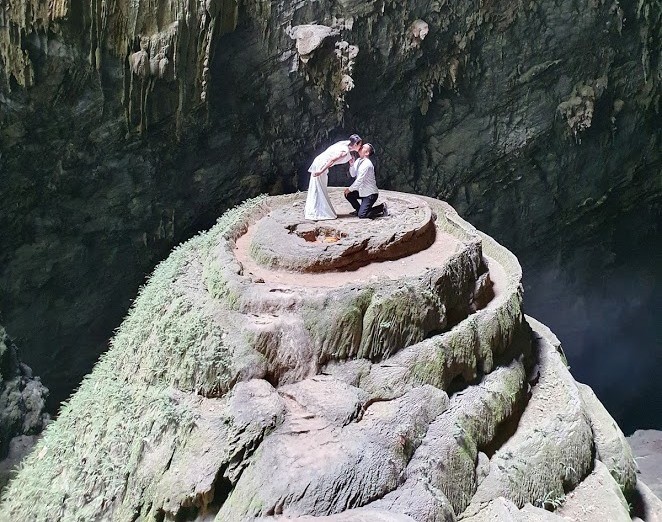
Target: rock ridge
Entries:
(405, 389)
(22, 408)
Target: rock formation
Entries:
(22, 403)
(127, 126)
(277, 369)
(647, 448)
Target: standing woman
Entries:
(318, 204)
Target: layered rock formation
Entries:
(647, 447)
(126, 126)
(22, 408)
(257, 378)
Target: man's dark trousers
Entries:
(365, 209)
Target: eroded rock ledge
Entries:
(22, 405)
(258, 378)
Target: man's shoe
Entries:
(353, 213)
(385, 212)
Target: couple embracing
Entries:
(364, 188)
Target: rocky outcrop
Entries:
(412, 387)
(126, 127)
(22, 404)
(647, 448)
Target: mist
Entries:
(607, 316)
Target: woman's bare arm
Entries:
(329, 164)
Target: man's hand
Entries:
(346, 191)
(316, 174)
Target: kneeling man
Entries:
(364, 187)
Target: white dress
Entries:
(318, 204)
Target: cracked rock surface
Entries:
(22, 407)
(411, 387)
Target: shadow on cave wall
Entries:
(603, 299)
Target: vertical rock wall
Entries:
(22, 404)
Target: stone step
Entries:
(551, 451)
(284, 239)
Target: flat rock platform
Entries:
(284, 239)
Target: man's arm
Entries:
(364, 168)
(352, 167)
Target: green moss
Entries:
(336, 325)
(262, 256)
(126, 409)
(86, 457)
(399, 319)
(218, 286)
(432, 370)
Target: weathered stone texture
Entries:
(598, 498)
(239, 392)
(611, 448)
(647, 448)
(22, 407)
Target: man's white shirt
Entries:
(364, 172)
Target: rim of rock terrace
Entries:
(237, 391)
(284, 239)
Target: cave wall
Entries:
(22, 408)
(125, 129)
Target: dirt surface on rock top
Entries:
(443, 247)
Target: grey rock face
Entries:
(611, 447)
(22, 403)
(597, 498)
(647, 448)
(235, 391)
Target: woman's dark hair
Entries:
(372, 149)
(354, 139)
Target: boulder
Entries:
(22, 408)
(647, 448)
